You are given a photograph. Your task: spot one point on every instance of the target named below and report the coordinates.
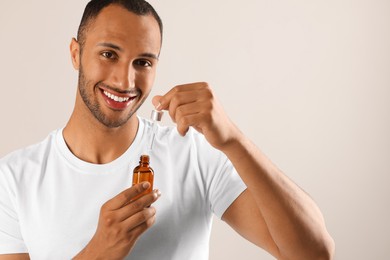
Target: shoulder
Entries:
(33, 154)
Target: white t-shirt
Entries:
(50, 200)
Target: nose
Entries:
(123, 76)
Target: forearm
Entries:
(15, 257)
(88, 253)
(293, 219)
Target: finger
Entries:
(138, 205)
(156, 101)
(163, 102)
(125, 196)
(138, 218)
(185, 117)
(186, 109)
(184, 103)
(136, 231)
(193, 120)
(182, 97)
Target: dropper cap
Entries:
(156, 115)
(144, 158)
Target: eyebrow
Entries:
(116, 47)
(149, 55)
(110, 45)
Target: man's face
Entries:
(117, 64)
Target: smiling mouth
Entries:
(117, 98)
(118, 101)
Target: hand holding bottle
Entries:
(121, 222)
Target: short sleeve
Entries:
(226, 186)
(11, 240)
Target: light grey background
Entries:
(307, 81)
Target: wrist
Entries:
(235, 144)
(89, 252)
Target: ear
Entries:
(75, 53)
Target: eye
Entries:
(108, 55)
(143, 63)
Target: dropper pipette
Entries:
(156, 116)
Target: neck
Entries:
(91, 141)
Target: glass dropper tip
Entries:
(156, 116)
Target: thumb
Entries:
(156, 101)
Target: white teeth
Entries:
(116, 98)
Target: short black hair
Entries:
(94, 7)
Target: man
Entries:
(69, 196)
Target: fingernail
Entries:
(145, 185)
(158, 106)
(158, 192)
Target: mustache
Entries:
(131, 91)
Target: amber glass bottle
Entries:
(143, 172)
